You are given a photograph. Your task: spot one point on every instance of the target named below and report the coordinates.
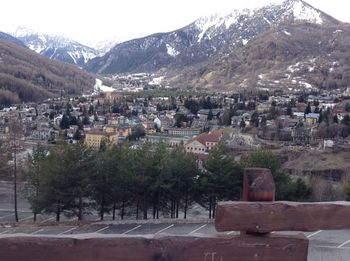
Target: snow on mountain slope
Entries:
(55, 47)
(302, 11)
(217, 34)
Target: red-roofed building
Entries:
(204, 142)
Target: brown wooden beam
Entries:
(262, 217)
(165, 248)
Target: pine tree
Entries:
(34, 176)
(64, 124)
(210, 115)
(242, 124)
(308, 108)
(221, 178)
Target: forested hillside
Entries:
(27, 76)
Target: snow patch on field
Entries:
(156, 81)
(99, 87)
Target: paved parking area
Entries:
(324, 245)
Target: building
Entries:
(312, 118)
(263, 107)
(171, 141)
(183, 131)
(113, 96)
(122, 130)
(95, 138)
(204, 142)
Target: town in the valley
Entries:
(308, 130)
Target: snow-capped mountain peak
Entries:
(54, 46)
(214, 21)
(210, 36)
(19, 31)
(302, 11)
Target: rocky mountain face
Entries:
(300, 57)
(55, 47)
(205, 39)
(27, 76)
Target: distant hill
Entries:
(10, 38)
(27, 76)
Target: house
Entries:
(149, 127)
(122, 130)
(340, 112)
(196, 147)
(263, 107)
(312, 118)
(95, 138)
(47, 134)
(204, 142)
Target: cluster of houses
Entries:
(114, 118)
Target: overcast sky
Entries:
(95, 20)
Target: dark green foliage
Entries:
(335, 119)
(286, 188)
(86, 120)
(210, 115)
(346, 120)
(263, 121)
(64, 186)
(137, 133)
(273, 113)
(347, 107)
(308, 108)
(347, 191)
(221, 179)
(242, 124)
(77, 135)
(64, 124)
(33, 175)
(147, 181)
(299, 191)
(192, 105)
(4, 158)
(254, 120)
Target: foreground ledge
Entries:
(262, 217)
(155, 248)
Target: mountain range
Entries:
(54, 47)
(219, 34)
(269, 47)
(287, 45)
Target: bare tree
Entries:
(15, 133)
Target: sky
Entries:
(93, 21)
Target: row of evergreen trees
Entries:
(146, 181)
